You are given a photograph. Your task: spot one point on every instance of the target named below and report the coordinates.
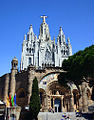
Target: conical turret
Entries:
(61, 32)
(30, 34)
(30, 29)
(61, 36)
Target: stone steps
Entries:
(58, 116)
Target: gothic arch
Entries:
(49, 73)
(46, 79)
(55, 88)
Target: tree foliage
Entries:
(80, 65)
(34, 106)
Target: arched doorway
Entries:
(21, 97)
(57, 96)
(52, 94)
(57, 105)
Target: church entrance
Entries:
(57, 105)
(52, 94)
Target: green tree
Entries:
(77, 67)
(34, 106)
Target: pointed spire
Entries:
(69, 47)
(25, 37)
(61, 31)
(54, 40)
(31, 29)
(68, 40)
(30, 26)
(58, 40)
(35, 39)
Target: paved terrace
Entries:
(58, 116)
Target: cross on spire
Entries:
(43, 17)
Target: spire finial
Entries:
(54, 39)
(30, 26)
(25, 37)
(61, 31)
(43, 17)
(68, 40)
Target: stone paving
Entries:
(59, 116)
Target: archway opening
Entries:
(21, 93)
(21, 97)
(57, 96)
(57, 104)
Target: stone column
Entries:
(62, 108)
(50, 100)
(30, 81)
(45, 103)
(80, 101)
(14, 70)
(84, 97)
(53, 103)
(29, 86)
(66, 103)
(13, 82)
(6, 87)
(31, 76)
(72, 104)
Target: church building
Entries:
(42, 57)
(42, 51)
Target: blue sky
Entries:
(76, 17)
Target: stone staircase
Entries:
(58, 116)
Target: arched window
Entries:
(29, 61)
(30, 50)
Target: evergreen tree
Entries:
(79, 66)
(34, 106)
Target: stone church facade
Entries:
(42, 51)
(43, 58)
